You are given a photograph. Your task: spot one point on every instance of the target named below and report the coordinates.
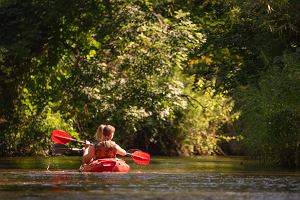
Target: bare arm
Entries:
(121, 151)
(88, 153)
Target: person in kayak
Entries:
(105, 147)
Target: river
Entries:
(40, 178)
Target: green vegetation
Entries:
(174, 77)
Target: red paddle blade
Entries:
(61, 137)
(140, 157)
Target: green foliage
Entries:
(242, 39)
(202, 120)
(283, 138)
(41, 47)
(270, 112)
(33, 135)
(170, 75)
(96, 62)
(141, 89)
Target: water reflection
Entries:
(166, 178)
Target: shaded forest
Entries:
(175, 77)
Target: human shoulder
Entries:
(105, 144)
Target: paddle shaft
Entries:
(71, 139)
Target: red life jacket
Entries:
(105, 149)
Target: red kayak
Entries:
(105, 165)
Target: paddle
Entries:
(140, 157)
(62, 137)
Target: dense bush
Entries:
(270, 113)
(283, 138)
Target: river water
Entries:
(165, 178)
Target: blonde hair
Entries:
(99, 133)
